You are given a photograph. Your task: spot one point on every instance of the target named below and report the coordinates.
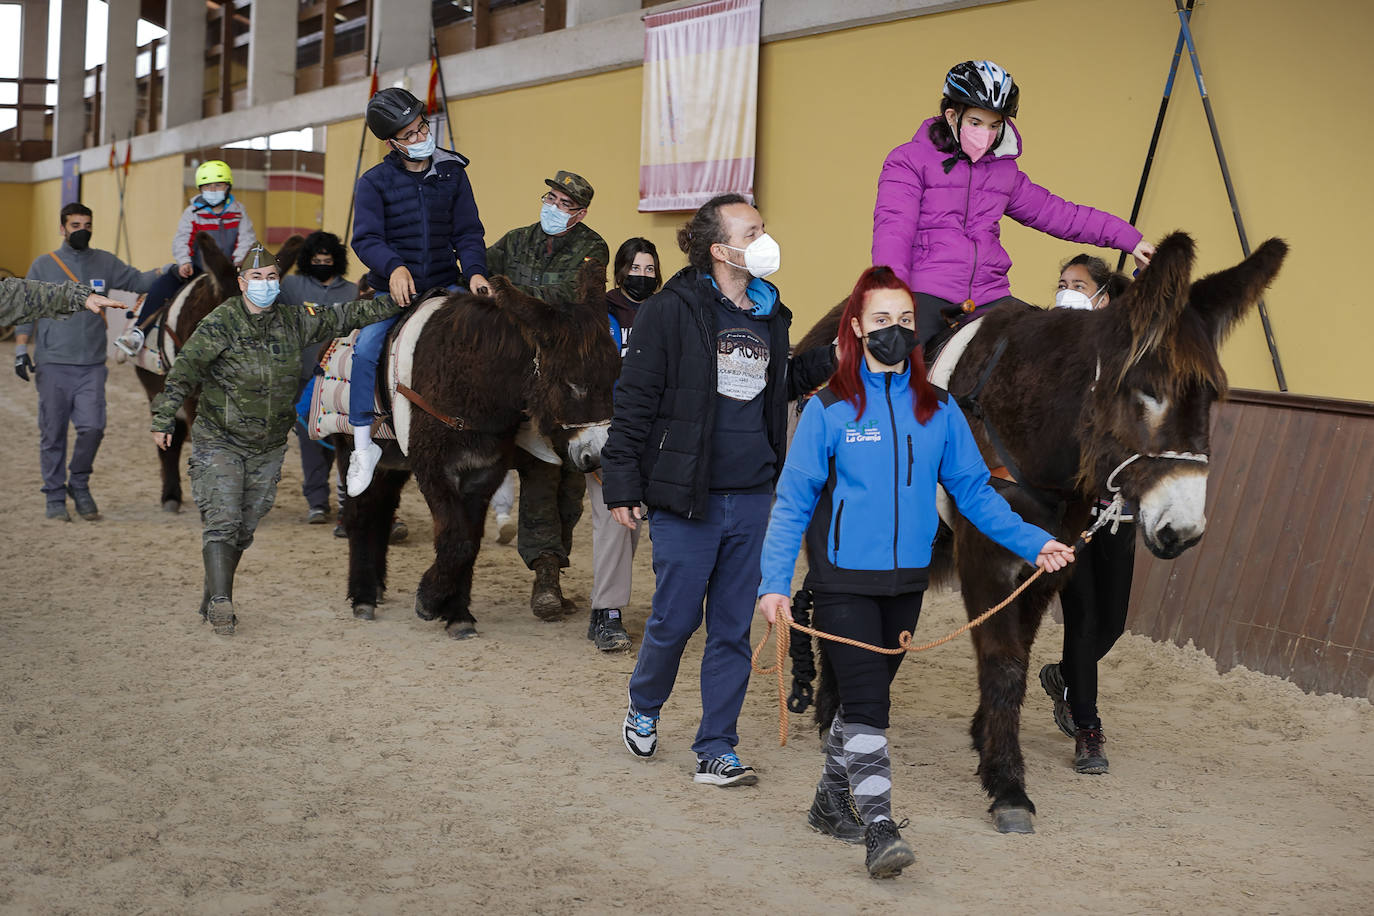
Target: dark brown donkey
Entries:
(485, 363)
(1079, 401)
(202, 294)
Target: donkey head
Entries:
(1159, 374)
(576, 364)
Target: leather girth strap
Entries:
(414, 397)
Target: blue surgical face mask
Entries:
(213, 198)
(553, 220)
(420, 151)
(262, 293)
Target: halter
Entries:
(1115, 512)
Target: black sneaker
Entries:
(57, 509)
(85, 503)
(725, 771)
(834, 814)
(888, 853)
(606, 631)
(1052, 679)
(1090, 751)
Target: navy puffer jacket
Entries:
(427, 222)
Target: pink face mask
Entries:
(976, 141)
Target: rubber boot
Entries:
(546, 598)
(221, 560)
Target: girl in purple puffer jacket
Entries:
(942, 195)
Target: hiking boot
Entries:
(641, 733)
(606, 631)
(505, 528)
(1052, 679)
(888, 853)
(725, 771)
(361, 465)
(85, 503)
(546, 598)
(1090, 751)
(57, 509)
(834, 814)
(399, 531)
(317, 516)
(130, 342)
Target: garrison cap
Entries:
(257, 256)
(573, 185)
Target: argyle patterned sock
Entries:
(869, 770)
(835, 777)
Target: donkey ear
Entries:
(289, 253)
(1224, 297)
(217, 264)
(1153, 302)
(591, 283)
(533, 314)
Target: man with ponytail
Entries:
(859, 484)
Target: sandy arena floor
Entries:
(317, 764)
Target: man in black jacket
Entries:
(699, 435)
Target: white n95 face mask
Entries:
(762, 256)
(1073, 299)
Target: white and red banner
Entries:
(700, 110)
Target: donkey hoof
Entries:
(1013, 820)
(171, 505)
(423, 612)
(364, 612)
(462, 630)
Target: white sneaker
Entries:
(505, 528)
(130, 342)
(360, 468)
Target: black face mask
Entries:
(321, 272)
(892, 344)
(639, 287)
(80, 239)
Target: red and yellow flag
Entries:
(432, 100)
(128, 155)
(372, 89)
(112, 154)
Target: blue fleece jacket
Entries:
(862, 490)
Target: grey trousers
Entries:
(233, 491)
(69, 395)
(613, 552)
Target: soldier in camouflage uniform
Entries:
(245, 357)
(29, 300)
(544, 260)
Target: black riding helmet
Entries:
(390, 110)
(977, 84)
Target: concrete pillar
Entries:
(402, 29)
(271, 52)
(580, 12)
(69, 117)
(120, 91)
(184, 87)
(33, 64)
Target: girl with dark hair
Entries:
(637, 277)
(942, 195)
(1097, 596)
(859, 483)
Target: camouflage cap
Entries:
(573, 185)
(257, 256)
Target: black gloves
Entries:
(23, 366)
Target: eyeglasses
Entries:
(570, 207)
(411, 136)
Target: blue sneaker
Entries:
(725, 771)
(641, 734)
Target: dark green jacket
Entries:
(248, 369)
(28, 300)
(543, 265)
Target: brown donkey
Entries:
(1080, 405)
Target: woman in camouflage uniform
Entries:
(245, 357)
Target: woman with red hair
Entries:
(859, 484)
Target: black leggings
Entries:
(1095, 601)
(933, 314)
(862, 677)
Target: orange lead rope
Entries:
(784, 639)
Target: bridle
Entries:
(1115, 512)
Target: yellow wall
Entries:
(1092, 73)
(16, 205)
(153, 201)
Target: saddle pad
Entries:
(329, 401)
(942, 370)
(159, 350)
(400, 366)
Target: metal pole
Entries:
(1154, 138)
(362, 143)
(1230, 188)
(443, 90)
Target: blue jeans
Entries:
(362, 382)
(715, 559)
